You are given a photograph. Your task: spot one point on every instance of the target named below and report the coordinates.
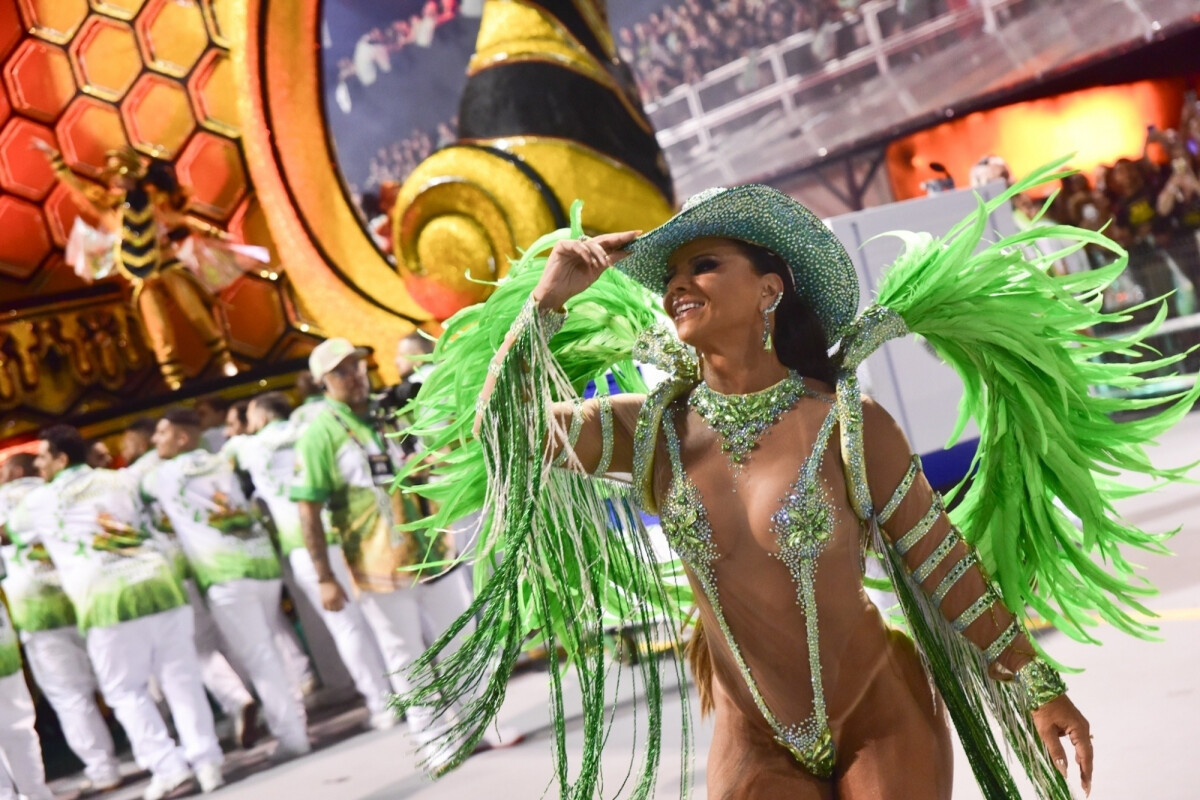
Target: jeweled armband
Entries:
(1040, 683)
(606, 436)
(572, 434)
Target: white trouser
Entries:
(60, 665)
(243, 610)
(21, 770)
(352, 635)
(295, 660)
(220, 678)
(125, 656)
(405, 621)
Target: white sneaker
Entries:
(382, 721)
(284, 753)
(434, 758)
(100, 785)
(162, 785)
(210, 776)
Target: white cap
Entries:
(326, 356)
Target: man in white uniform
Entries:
(345, 465)
(21, 770)
(220, 678)
(270, 459)
(45, 620)
(130, 605)
(233, 562)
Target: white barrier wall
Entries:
(920, 391)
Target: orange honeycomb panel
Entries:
(61, 210)
(39, 80)
(88, 130)
(158, 116)
(106, 59)
(20, 255)
(254, 310)
(121, 9)
(24, 170)
(212, 166)
(219, 16)
(249, 225)
(5, 108)
(214, 94)
(56, 20)
(172, 35)
(11, 26)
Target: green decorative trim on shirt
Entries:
(44, 611)
(223, 568)
(120, 602)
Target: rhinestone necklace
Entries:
(740, 419)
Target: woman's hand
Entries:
(575, 264)
(1060, 718)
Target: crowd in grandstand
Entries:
(1150, 205)
(681, 43)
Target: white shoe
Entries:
(210, 776)
(99, 785)
(382, 721)
(284, 753)
(434, 758)
(162, 785)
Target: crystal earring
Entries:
(767, 320)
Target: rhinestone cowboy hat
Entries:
(822, 272)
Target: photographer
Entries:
(345, 464)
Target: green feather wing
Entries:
(1050, 446)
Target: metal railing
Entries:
(780, 75)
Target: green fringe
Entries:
(42, 611)
(559, 558)
(959, 671)
(1018, 337)
(125, 601)
(10, 658)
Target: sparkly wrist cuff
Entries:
(1040, 683)
(551, 320)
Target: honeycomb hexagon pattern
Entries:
(106, 59)
(21, 255)
(90, 76)
(39, 80)
(54, 20)
(172, 35)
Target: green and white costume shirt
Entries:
(269, 458)
(142, 466)
(306, 412)
(32, 586)
(219, 530)
(95, 532)
(334, 457)
(10, 648)
(159, 526)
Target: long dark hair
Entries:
(799, 337)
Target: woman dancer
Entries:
(775, 481)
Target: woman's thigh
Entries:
(913, 765)
(746, 763)
(896, 744)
